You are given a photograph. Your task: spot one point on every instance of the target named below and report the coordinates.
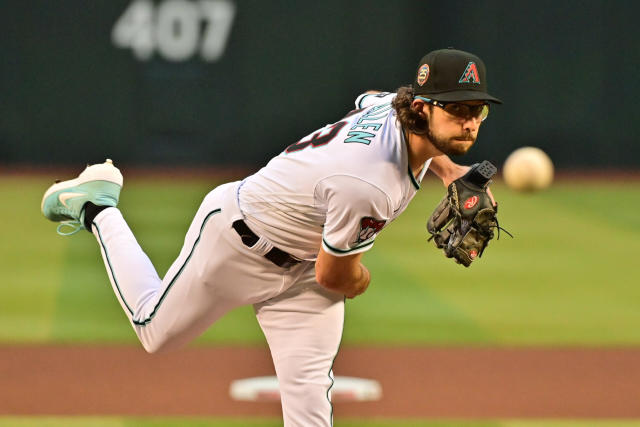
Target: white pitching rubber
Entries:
(266, 389)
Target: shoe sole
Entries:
(100, 172)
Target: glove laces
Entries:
(497, 227)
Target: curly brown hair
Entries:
(409, 118)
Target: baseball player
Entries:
(289, 239)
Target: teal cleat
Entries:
(64, 201)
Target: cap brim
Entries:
(464, 95)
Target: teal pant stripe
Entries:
(171, 283)
(113, 274)
(334, 360)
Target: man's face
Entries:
(451, 134)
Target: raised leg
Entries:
(213, 274)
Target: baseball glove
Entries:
(463, 222)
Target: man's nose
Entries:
(471, 124)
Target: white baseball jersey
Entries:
(336, 187)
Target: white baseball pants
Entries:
(214, 273)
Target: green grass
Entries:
(258, 422)
(568, 277)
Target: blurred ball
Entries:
(528, 169)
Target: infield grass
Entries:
(567, 278)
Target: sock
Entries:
(90, 212)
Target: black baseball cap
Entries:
(452, 75)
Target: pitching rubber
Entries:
(266, 389)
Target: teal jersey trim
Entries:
(414, 181)
(346, 251)
(171, 283)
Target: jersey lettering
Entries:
(322, 137)
(375, 126)
(377, 113)
(359, 137)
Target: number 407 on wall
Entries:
(176, 29)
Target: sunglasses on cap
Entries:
(457, 109)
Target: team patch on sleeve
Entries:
(369, 227)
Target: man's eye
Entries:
(454, 109)
(476, 110)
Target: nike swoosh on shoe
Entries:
(63, 197)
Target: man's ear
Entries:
(417, 105)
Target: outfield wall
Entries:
(215, 82)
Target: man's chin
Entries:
(458, 147)
(451, 146)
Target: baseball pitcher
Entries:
(289, 239)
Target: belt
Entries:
(275, 255)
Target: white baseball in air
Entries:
(528, 169)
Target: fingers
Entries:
(493, 201)
(362, 284)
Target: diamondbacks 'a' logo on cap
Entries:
(470, 74)
(423, 74)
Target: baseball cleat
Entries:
(64, 201)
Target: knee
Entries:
(156, 344)
(154, 347)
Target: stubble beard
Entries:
(451, 146)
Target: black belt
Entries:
(275, 255)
